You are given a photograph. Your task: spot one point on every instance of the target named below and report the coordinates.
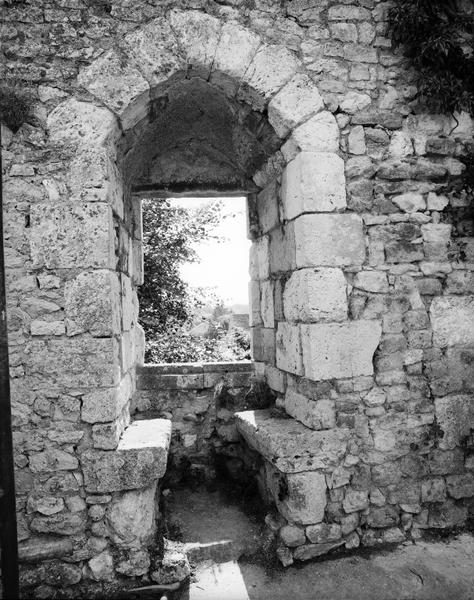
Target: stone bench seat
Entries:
(139, 459)
(288, 444)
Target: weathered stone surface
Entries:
(313, 182)
(304, 497)
(101, 567)
(292, 536)
(80, 123)
(41, 548)
(140, 458)
(310, 551)
(267, 207)
(153, 50)
(355, 500)
(318, 134)
(102, 406)
(236, 48)
(173, 568)
(47, 327)
(288, 348)
(452, 320)
(92, 304)
(75, 362)
(60, 524)
(270, 69)
(70, 236)
(267, 304)
(134, 563)
(455, 417)
(409, 202)
(460, 486)
(52, 460)
(383, 516)
(323, 533)
(131, 517)
(294, 103)
(354, 102)
(122, 88)
(315, 414)
(315, 295)
(198, 35)
(433, 490)
(339, 350)
(288, 444)
(329, 240)
(371, 281)
(356, 140)
(445, 515)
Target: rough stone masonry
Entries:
(361, 271)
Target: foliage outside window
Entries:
(169, 307)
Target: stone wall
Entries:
(200, 399)
(362, 285)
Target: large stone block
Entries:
(139, 460)
(267, 304)
(299, 497)
(315, 414)
(131, 517)
(83, 362)
(267, 207)
(120, 87)
(198, 35)
(452, 320)
(318, 134)
(105, 405)
(282, 249)
(329, 240)
(455, 417)
(72, 236)
(313, 182)
(294, 103)
(259, 267)
(263, 344)
(235, 50)
(315, 295)
(271, 67)
(92, 304)
(288, 348)
(289, 445)
(81, 124)
(339, 350)
(154, 51)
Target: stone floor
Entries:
(427, 571)
(219, 532)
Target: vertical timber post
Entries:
(8, 532)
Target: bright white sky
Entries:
(224, 265)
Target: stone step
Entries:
(139, 459)
(288, 444)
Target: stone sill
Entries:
(197, 376)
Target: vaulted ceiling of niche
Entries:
(194, 136)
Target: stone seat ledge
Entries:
(288, 444)
(139, 460)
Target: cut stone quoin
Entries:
(313, 182)
(140, 458)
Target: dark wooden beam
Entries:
(8, 530)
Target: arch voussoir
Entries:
(198, 35)
(121, 87)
